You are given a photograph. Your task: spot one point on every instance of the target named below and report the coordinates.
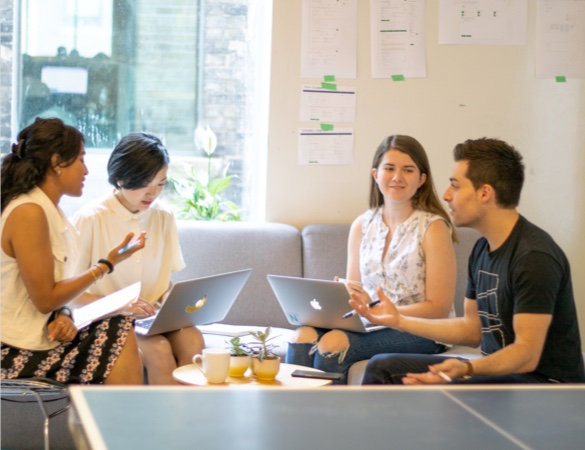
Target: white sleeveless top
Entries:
(402, 270)
(23, 326)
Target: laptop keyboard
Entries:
(145, 323)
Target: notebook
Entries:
(316, 303)
(110, 305)
(195, 302)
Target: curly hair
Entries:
(27, 165)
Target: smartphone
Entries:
(129, 247)
(319, 375)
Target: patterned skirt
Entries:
(88, 359)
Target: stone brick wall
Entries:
(165, 96)
(221, 97)
(227, 91)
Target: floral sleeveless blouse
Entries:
(401, 271)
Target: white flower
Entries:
(205, 139)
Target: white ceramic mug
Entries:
(215, 364)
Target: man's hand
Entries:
(423, 378)
(384, 313)
(438, 373)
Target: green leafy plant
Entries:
(238, 348)
(200, 198)
(261, 347)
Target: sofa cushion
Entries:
(267, 248)
(325, 250)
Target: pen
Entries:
(129, 247)
(444, 376)
(353, 312)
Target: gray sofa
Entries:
(316, 251)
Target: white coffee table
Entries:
(190, 375)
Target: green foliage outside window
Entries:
(201, 198)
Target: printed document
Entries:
(110, 305)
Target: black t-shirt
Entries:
(529, 273)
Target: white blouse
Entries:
(104, 223)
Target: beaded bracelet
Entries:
(107, 263)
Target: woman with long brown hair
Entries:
(404, 244)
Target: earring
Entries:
(58, 173)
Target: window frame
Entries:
(256, 142)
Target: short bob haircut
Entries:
(136, 160)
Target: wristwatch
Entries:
(65, 310)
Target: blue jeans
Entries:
(390, 368)
(361, 346)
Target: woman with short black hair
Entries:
(137, 169)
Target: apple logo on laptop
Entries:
(197, 305)
(315, 304)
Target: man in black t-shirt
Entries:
(519, 304)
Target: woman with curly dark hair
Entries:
(39, 339)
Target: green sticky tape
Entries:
(326, 127)
(561, 79)
(398, 78)
(329, 86)
(329, 78)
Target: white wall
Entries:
(469, 92)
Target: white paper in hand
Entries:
(109, 305)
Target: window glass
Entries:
(110, 67)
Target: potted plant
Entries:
(199, 197)
(239, 357)
(265, 364)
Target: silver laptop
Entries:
(316, 303)
(195, 302)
